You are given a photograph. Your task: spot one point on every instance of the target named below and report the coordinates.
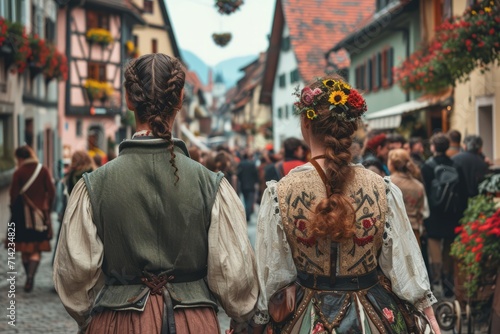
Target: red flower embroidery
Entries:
(301, 225)
(309, 242)
(363, 241)
(389, 315)
(318, 328)
(367, 223)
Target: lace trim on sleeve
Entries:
(427, 301)
(261, 317)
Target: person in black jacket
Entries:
(472, 163)
(248, 177)
(440, 225)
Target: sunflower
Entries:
(311, 114)
(337, 97)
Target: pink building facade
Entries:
(92, 101)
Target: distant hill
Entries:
(230, 68)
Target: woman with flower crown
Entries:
(335, 250)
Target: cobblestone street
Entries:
(41, 310)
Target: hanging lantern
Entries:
(228, 6)
(221, 39)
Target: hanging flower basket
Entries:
(99, 36)
(459, 46)
(228, 6)
(98, 90)
(18, 41)
(222, 39)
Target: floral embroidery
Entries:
(363, 241)
(389, 315)
(319, 329)
(301, 226)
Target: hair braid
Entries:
(156, 95)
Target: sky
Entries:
(194, 22)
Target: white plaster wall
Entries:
(282, 96)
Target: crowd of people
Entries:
(156, 239)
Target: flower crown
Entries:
(345, 103)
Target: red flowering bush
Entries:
(477, 245)
(40, 51)
(443, 61)
(3, 30)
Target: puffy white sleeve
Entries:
(275, 267)
(400, 259)
(77, 274)
(231, 260)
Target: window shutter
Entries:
(390, 65)
(369, 79)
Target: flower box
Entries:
(98, 90)
(100, 36)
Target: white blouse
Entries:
(400, 258)
(78, 277)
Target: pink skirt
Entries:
(187, 320)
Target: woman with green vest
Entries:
(153, 241)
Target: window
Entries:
(50, 30)
(361, 77)
(280, 112)
(79, 126)
(285, 43)
(286, 111)
(97, 20)
(154, 45)
(282, 80)
(376, 73)
(97, 71)
(294, 76)
(148, 6)
(386, 65)
(136, 41)
(369, 75)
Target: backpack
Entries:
(444, 188)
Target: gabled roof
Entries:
(254, 73)
(363, 30)
(124, 6)
(314, 25)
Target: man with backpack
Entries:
(443, 181)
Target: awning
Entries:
(390, 118)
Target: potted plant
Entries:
(40, 52)
(228, 6)
(490, 185)
(477, 248)
(221, 39)
(18, 41)
(100, 36)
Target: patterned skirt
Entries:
(374, 310)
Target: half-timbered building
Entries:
(94, 34)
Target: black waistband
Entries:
(173, 277)
(341, 283)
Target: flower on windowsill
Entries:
(131, 49)
(100, 36)
(56, 67)
(98, 90)
(477, 245)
